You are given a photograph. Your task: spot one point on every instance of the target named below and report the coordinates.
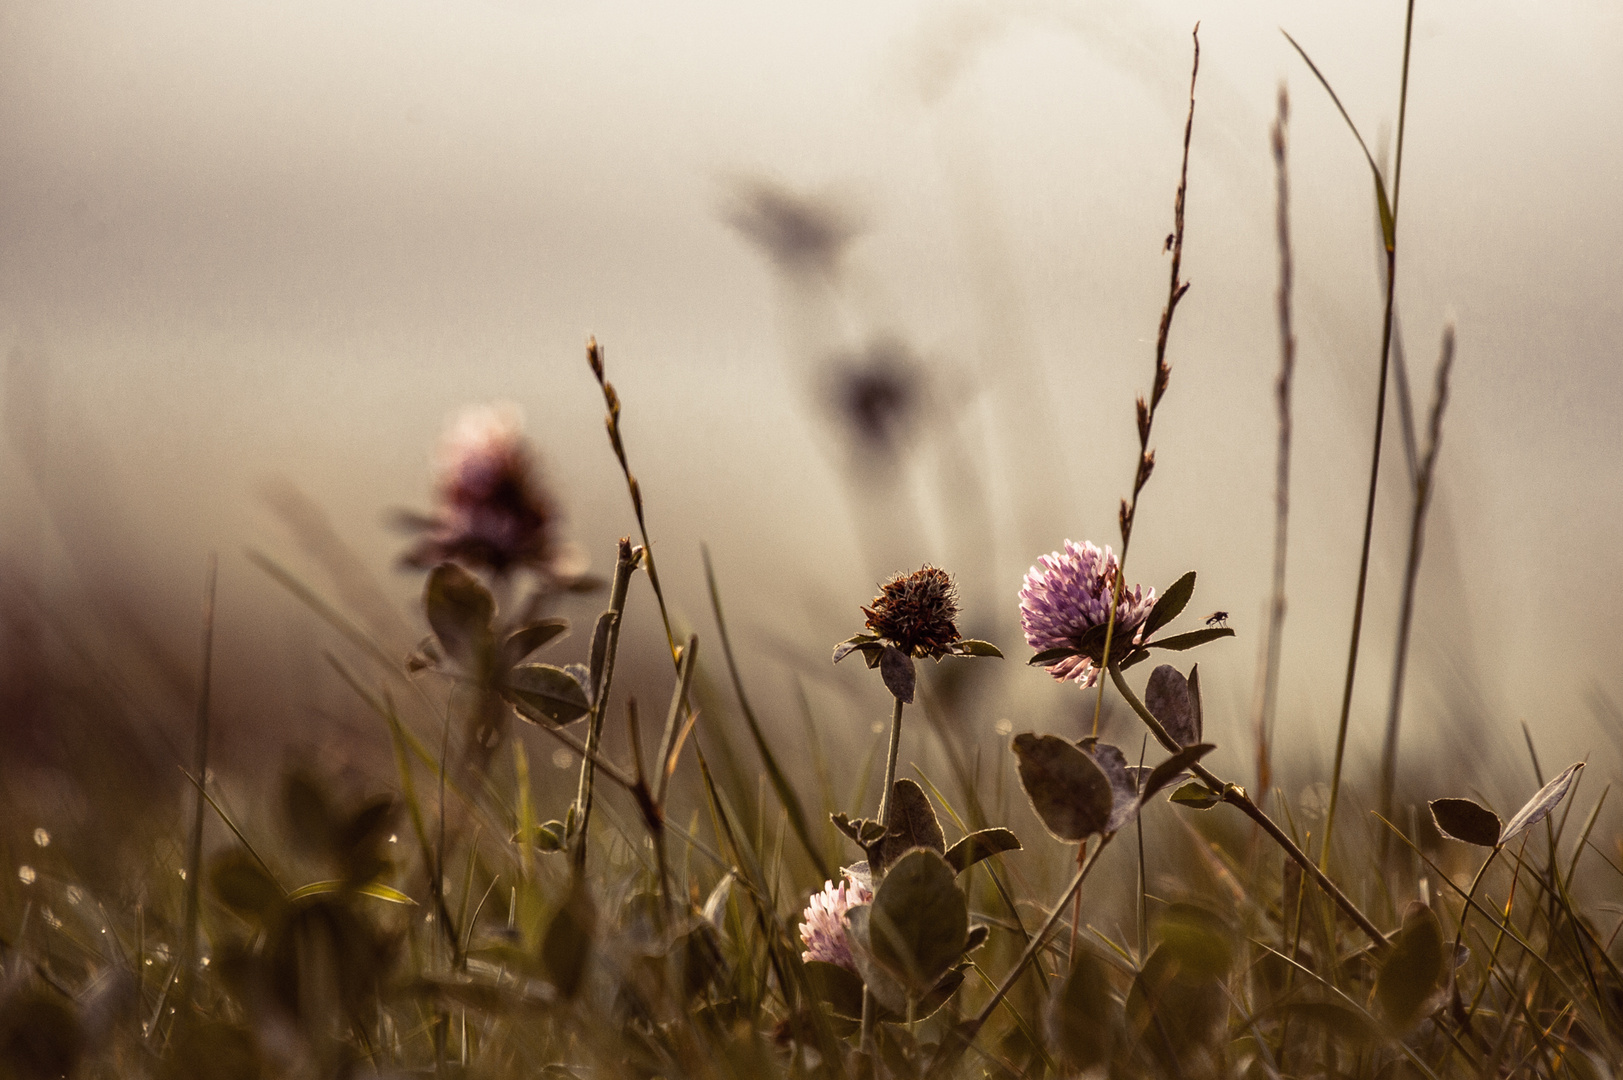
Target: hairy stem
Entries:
(890, 763)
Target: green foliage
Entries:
(1070, 793)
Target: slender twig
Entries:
(1236, 797)
(1158, 384)
(1268, 697)
(1390, 233)
(625, 562)
(611, 399)
(1424, 474)
(200, 768)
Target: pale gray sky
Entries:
(249, 240)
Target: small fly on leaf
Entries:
(1217, 618)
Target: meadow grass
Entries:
(698, 908)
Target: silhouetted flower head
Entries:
(1067, 595)
(877, 395)
(801, 233)
(915, 612)
(824, 928)
(492, 511)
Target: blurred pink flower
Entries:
(493, 511)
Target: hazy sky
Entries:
(253, 240)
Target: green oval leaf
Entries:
(1167, 697)
(919, 921)
(837, 987)
(980, 845)
(1464, 820)
(1539, 806)
(913, 824)
(545, 694)
(1173, 767)
(461, 610)
(864, 643)
(526, 639)
(896, 668)
(1180, 642)
(1196, 796)
(1070, 793)
(976, 647)
(1170, 604)
(1052, 656)
(1412, 968)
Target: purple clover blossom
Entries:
(493, 511)
(1069, 594)
(824, 928)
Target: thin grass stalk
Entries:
(1158, 384)
(625, 563)
(780, 782)
(200, 766)
(1424, 475)
(1375, 452)
(611, 400)
(1268, 698)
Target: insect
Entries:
(1217, 618)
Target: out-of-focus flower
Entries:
(1067, 595)
(493, 511)
(916, 612)
(877, 395)
(801, 233)
(824, 928)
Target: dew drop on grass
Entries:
(42, 838)
(393, 838)
(1004, 726)
(26, 875)
(562, 758)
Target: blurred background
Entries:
(877, 285)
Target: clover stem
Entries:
(1465, 912)
(885, 799)
(1076, 904)
(885, 802)
(1236, 797)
